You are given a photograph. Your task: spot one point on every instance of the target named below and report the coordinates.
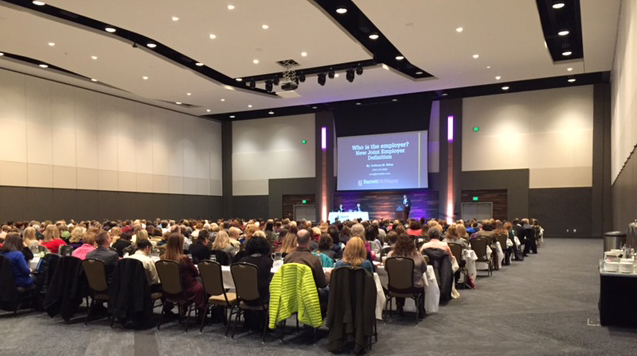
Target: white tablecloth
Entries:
(33, 264)
(469, 257)
(499, 255)
(228, 283)
(432, 290)
(348, 215)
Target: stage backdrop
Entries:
(383, 204)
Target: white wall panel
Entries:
(38, 120)
(624, 89)
(550, 132)
(58, 136)
(271, 148)
(13, 173)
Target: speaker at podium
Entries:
(400, 212)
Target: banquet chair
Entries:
(385, 250)
(400, 271)
(479, 245)
(222, 257)
(170, 276)
(502, 239)
(212, 279)
(456, 251)
(66, 250)
(246, 282)
(95, 273)
(11, 296)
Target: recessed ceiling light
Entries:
(249, 105)
(571, 80)
(304, 54)
(175, 18)
(199, 64)
(567, 53)
(271, 112)
(569, 69)
(145, 77)
(476, 56)
(1, 54)
(385, 67)
(93, 57)
(488, 67)
(151, 45)
(558, 5)
(51, 44)
(400, 58)
(93, 80)
(265, 27)
(44, 65)
(223, 99)
(189, 94)
(336, 75)
(563, 33)
(232, 116)
(419, 73)
(230, 7)
(374, 36)
(213, 36)
(207, 110)
(498, 77)
(341, 10)
(255, 61)
(110, 29)
(505, 88)
(178, 102)
(39, 3)
(239, 79)
(459, 29)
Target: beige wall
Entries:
(550, 132)
(59, 136)
(624, 89)
(271, 148)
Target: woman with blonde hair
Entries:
(452, 236)
(355, 254)
(75, 240)
(193, 288)
(29, 237)
(222, 243)
(289, 243)
(52, 240)
(115, 234)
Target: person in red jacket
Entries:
(52, 240)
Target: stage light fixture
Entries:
(350, 75)
(253, 84)
(301, 77)
(268, 85)
(275, 81)
(359, 70)
(321, 79)
(331, 74)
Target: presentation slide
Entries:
(382, 162)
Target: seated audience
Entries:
(87, 246)
(193, 288)
(52, 240)
(289, 243)
(303, 255)
(75, 240)
(199, 249)
(434, 242)
(222, 243)
(30, 238)
(123, 241)
(12, 250)
(258, 253)
(355, 255)
(452, 235)
(234, 233)
(414, 228)
(103, 253)
(325, 246)
(405, 248)
(143, 255)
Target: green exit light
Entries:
(475, 198)
(304, 142)
(304, 201)
(476, 129)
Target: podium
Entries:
(400, 212)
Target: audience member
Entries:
(12, 250)
(103, 252)
(356, 255)
(199, 249)
(405, 248)
(142, 254)
(87, 246)
(52, 240)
